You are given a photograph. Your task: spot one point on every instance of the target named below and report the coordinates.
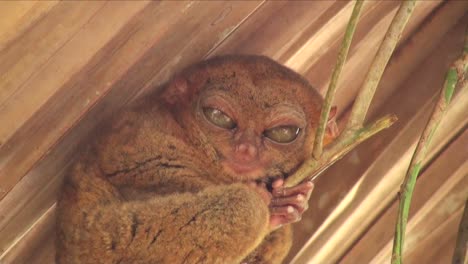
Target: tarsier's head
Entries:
(257, 116)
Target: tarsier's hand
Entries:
(286, 204)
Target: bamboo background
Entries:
(64, 66)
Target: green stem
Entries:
(312, 168)
(455, 73)
(361, 105)
(318, 143)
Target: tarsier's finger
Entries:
(277, 183)
(295, 216)
(303, 188)
(289, 200)
(282, 210)
(299, 201)
(287, 214)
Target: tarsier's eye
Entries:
(282, 134)
(218, 118)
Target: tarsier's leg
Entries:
(217, 225)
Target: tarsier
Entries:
(195, 173)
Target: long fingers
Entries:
(298, 201)
(288, 204)
(303, 188)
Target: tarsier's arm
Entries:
(220, 224)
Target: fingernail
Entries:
(300, 197)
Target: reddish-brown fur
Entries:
(157, 185)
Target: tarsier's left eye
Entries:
(219, 118)
(282, 134)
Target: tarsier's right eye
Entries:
(218, 118)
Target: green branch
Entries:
(312, 168)
(354, 132)
(363, 100)
(456, 74)
(318, 143)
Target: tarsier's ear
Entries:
(177, 91)
(332, 129)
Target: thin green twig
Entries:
(350, 29)
(363, 100)
(311, 168)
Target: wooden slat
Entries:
(221, 21)
(36, 65)
(21, 62)
(438, 245)
(441, 170)
(29, 250)
(121, 69)
(17, 16)
(278, 25)
(28, 201)
(372, 24)
(21, 151)
(375, 169)
(80, 43)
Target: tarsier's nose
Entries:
(246, 151)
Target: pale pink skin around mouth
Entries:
(246, 171)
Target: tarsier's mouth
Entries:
(257, 173)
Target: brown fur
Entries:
(153, 188)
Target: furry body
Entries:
(154, 187)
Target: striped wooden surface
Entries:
(64, 66)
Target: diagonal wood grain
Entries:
(17, 17)
(83, 90)
(444, 168)
(22, 61)
(446, 201)
(142, 41)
